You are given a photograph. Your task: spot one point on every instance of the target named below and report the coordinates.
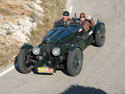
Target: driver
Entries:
(66, 19)
(86, 23)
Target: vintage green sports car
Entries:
(61, 49)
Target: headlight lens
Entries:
(36, 50)
(56, 51)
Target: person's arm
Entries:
(91, 20)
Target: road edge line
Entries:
(7, 70)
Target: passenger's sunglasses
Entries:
(82, 17)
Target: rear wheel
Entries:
(74, 62)
(24, 64)
(100, 37)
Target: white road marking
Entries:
(69, 7)
(7, 70)
(68, 4)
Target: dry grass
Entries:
(52, 10)
(8, 50)
(7, 12)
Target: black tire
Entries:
(74, 62)
(100, 37)
(23, 62)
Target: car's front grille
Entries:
(47, 48)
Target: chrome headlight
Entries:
(56, 51)
(36, 50)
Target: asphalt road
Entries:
(103, 68)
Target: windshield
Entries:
(70, 24)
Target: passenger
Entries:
(86, 23)
(66, 19)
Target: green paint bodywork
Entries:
(67, 38)
(27, 46)
(97, 27)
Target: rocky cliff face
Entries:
(19, 17)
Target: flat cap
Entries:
(66, 13)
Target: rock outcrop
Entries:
(19, 17)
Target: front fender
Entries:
(98, 27)
(73, 47)
(27, 46)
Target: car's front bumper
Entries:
(46, 66)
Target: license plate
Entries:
(45, 70)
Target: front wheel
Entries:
(23, 61)
(74, 62)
